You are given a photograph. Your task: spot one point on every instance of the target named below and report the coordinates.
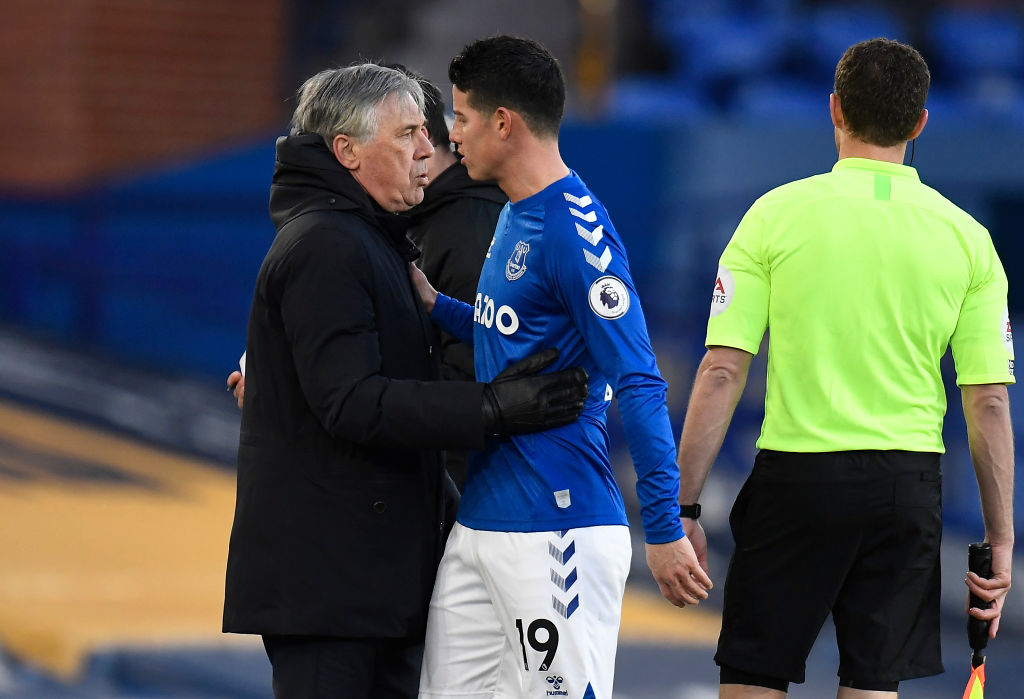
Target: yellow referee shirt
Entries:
(864, 276)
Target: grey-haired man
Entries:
(343, 503)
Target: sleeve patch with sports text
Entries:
(725, 287)
(609, 297)
(1006, 332)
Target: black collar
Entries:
(307, 178)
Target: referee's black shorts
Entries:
(853, 533)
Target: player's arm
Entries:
(452, 315)
(738, 319)
(604, 307)
(721, 377)
(589, 273)
(990, 434)
(982, 347)
(671, 555)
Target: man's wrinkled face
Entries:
(393, 165)
(473, 134)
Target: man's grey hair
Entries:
(345, 100)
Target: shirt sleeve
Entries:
(454, 317)
(982, 342)
(588, 270)
(739, 302)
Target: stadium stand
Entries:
(970, 44)
(124, 292)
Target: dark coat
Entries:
(341, 507)
(453, 226)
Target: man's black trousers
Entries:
(316, 667)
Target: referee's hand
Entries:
(679, 575)
(992, 589)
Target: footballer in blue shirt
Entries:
(528, 595)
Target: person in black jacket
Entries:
(340, 515)
(453, 227)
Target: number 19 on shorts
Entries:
(546, 644)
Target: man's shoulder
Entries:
(786, 200)
(576, 230)
(574, 190)
(801, 189)
(324, 233)
(572, 202)
(326, 225)
(935, 201)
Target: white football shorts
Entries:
(526, 614)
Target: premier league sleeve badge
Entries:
(609, 297)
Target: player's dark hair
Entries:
(519, 74)
(433, 106)
(882, 86)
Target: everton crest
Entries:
(516, 265)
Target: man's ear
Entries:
(836, 109)
(346, 150)
(919, 126)
(502, 120)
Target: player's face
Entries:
(393, 166)
(472, 134)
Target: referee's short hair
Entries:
(882, 86)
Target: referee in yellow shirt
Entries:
(864, 277)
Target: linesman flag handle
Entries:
(979, 562)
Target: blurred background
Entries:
(135, 161)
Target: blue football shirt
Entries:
(556, 275)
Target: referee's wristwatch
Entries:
(690, 511)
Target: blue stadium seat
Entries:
(733, 47)
(766, 8)
(655, 99)
(991, 102)
(967, 44)
(830, 30)
(997, 100)
(947, 109)
(783, 100)
(665, 10)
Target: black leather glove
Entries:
(521, 400)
